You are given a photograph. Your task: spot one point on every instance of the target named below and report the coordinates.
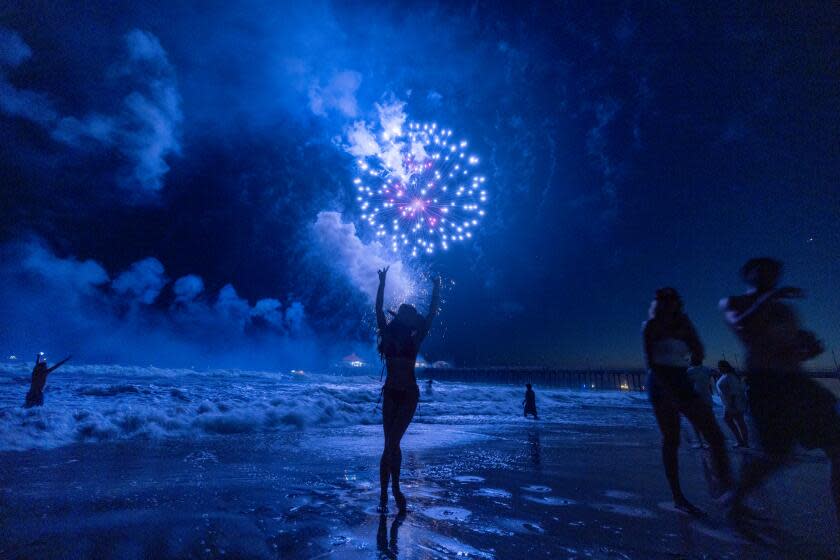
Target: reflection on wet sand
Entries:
(388, 549)
(534, 447)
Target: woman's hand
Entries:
(383, 273)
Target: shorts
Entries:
(788, 409)
(666, 383)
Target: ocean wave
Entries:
(105, 403)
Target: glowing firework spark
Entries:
(421, 191)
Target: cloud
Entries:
(96, 127)
(270, 311)
(597, 145)
(358, 262)
(146, 129)
(187, 288)
(361, 141)
(434, 97)
(69, 304)
(295, 318)
(15, 102)
(145, 47)
(338, 95)
(13, 49)
(75, 276)
(231, 307)
(383, 140)
(142, 282)
(392, 117)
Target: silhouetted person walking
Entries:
(669, 338)
(530, 402)
(35, 396)
(399, 344)
(733, 394)
(787, 407)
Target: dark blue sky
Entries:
(625, 148)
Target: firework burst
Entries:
(422, 191)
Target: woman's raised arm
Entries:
(434, 306)
(380, 297)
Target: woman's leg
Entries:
(742, 425)
(733, 427)
(668, 419)
(702, 417)
(770, 411)
(388, 419)
(402, 418)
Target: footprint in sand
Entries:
(722, 534)
(620, 495)
(626, 510)
(520, 526)
(538, 489)
(494, 493)
(468, 478)
(550, 500)
(443, 513)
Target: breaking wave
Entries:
(102, 403)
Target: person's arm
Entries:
(735, 317)
(380, 298)
(695, 346)
(434, 307)
(59, 364)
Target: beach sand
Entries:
(541, 489)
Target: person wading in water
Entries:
(35, 396)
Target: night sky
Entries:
(176, 186)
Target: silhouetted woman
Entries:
(669, 338)
(399, 344)
(35, 396)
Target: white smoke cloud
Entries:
(142, 282)
(94, 126)
(146, 131)
(73, 305)
(187, 288)
(338, 95)
(231, 307)
(359, 262)
(16, 102)
(13, 49)
(71, 275)
(269, 310)
(147, 128)
(362, 142)
(384, 139)
(392, 117)
(296, 318)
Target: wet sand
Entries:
(538, 490)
